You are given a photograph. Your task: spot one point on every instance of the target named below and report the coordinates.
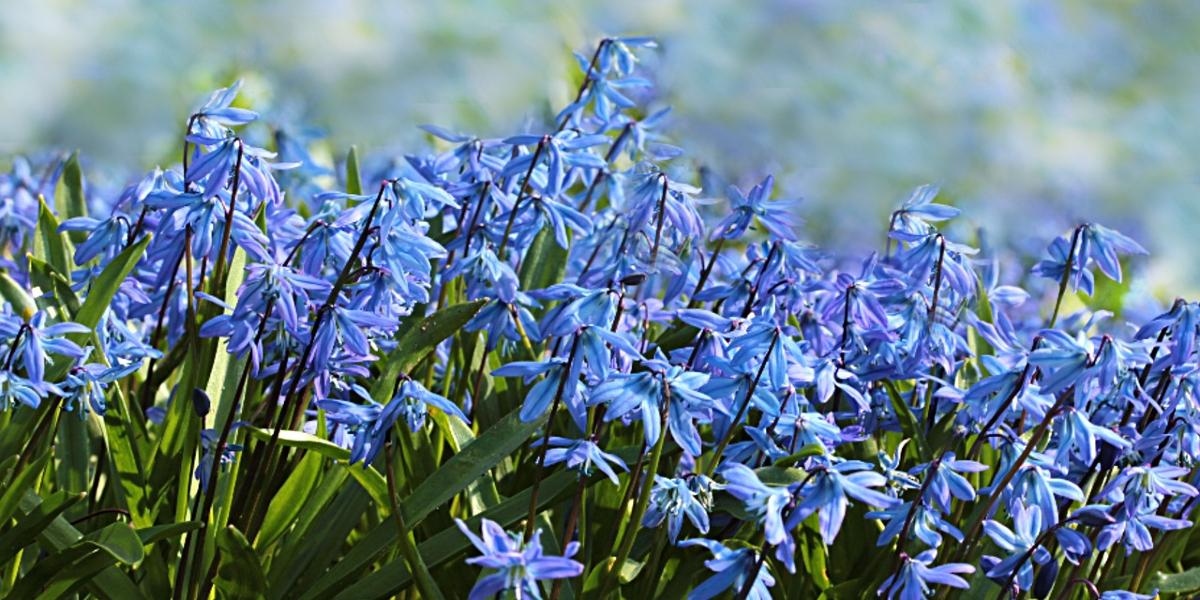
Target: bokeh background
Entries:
(1030, 114)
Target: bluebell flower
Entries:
(84, 388)
(40, 339)
(16, 390)
(776, 217)
(1017, 542)
(915, 216)
(1077, 436)
(734, 568)
(557, 374)
(412, 401)
(208, 441)
(829, 490)
(519, 564)
(926, 524)
(946, 481)
(218, 110)
(917, 575)
(583, 455)
(674, 498)
(1133, 530)
(646, 392)
(105, 237)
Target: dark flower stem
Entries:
(512, 216)
(704, 274)
(531, 520)
(737, 421)
(662, 214)
(587, 79)
(643, 500)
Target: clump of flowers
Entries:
(292, 384)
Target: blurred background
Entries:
(1031, 115)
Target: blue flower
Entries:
(829, 489)
(776, 217)
(917, 575)
(520, 565)
(674, 498)
(40, 338)
(646, 392)
(583, 456)
(914, 217)
(765, 505)
(105, 237)
(18, 390)
(1017, 542)
(733, 568)
(945, 480)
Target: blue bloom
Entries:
(1017, 543)
(583, 456)
(674, 498)
(40, 339)
(829, 490)
(646, 392)
(105, 237)
(18, 390)
(776, 217)
(733, 568)
(917, 575)
(519, 564)
(915, 216)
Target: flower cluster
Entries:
(667, 375)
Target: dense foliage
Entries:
(550, 365)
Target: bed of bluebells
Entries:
(550, 365)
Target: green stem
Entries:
(643, 501)
(408, 543)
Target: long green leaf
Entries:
(416, 343)
(492, 446)
(15, 490)
(353, 177)
(367, 476)
(110, 582)
(239, 574)
(50, 245)
(30, 524)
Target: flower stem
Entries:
(408, 543)
(737, 421)
(643, 501)
(531, 520)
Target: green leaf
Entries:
(108, 582)
(491, 447)
(367, 476)
(72, 203)
(119, 540)
(353, 177)
(157, 533)
(544, 262)
(102, 289)
(284, 507)
(23, 482)
(774, 475)
(68, 194)
(239, 574)
(30, 524)
(417, 342)
(17, 296)
(73, 455)
(46, 280)
(1178, 583)
(50, 245)
(909, 424)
